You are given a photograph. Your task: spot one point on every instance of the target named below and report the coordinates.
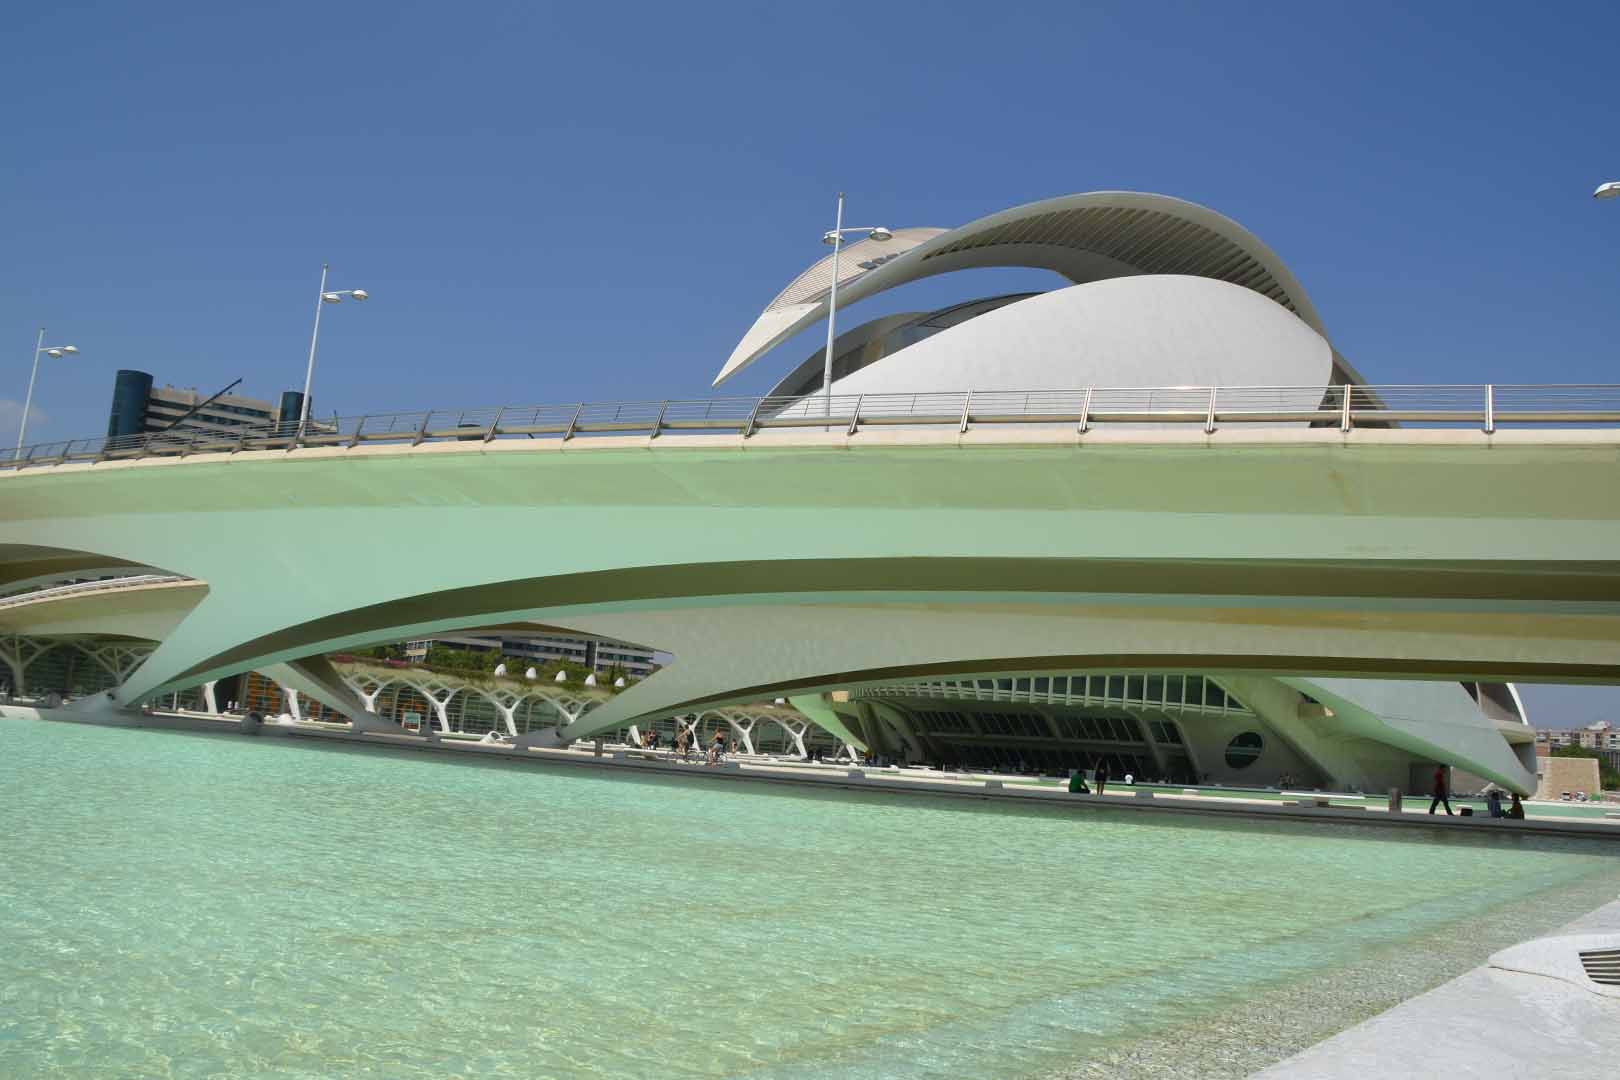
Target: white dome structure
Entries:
(1088, 238)
(1153, 330)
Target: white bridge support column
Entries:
(795, 730)
(210, 700)
(818, 708)
(900, 721)
(317, 677)
(743, 731)
(17, 653)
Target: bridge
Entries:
(1289, 536)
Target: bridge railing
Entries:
(1346, 407)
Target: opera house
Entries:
(1162, 293)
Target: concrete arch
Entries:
(1085, 237)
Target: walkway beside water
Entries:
(1020, 789)
(1487, 1023)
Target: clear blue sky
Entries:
(551, 203)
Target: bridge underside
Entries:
(777, 571)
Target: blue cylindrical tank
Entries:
(131, 391)
(292, 407)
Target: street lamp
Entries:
(1609, 190)
(322, 297)
(56, 352)
(836, 238)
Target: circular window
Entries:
(1243, 749)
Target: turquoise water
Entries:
(188, 906)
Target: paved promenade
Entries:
(1488, 1023)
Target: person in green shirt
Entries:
(1077, 783)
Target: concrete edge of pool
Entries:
(1486, 1022)
(856, 779)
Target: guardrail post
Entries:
(354, 440)
(421, 432)
(1490, 408)
(569, 434)
(1344, 409)
(490, 434)
(967, 403)
(658, 424)
(855, 417)
(1209, 417)
(1085, 412)
(753, 418)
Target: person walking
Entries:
(1440, 795)
(1102, 775)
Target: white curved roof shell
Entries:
(1087, 237)
(1159, 330)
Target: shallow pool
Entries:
(200, 905)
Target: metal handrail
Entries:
(1487, 407)
(56, 592)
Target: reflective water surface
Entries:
(186, 905)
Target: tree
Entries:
(1608, 777)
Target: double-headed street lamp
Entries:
(322, 297)
(836, 238)
(56, 352)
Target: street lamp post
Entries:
(836, 239)
(53, 351)
(321, 297)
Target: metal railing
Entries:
(57, 592)
(1345, 407)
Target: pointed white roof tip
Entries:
(500, 669)
(796, 305)
(1084, 237)
(590, 680)
(562, 676)
(531, 674)
(619, 682)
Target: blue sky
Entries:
(593, 201)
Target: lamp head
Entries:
(830, 236)
(880, 234)
(360, 294)
(71, 350)
(331, 298)
(56, 353)
(1609, 190)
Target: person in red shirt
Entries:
(1440, 790)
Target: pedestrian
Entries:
(1493, 802)
(680, 741)
(1077, 783)
(1516, 811)
(1101, 778)
(1440, 795)
(717, 748)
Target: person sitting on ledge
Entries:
(1077, 783)
(1493, 802)
(1516, 811)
